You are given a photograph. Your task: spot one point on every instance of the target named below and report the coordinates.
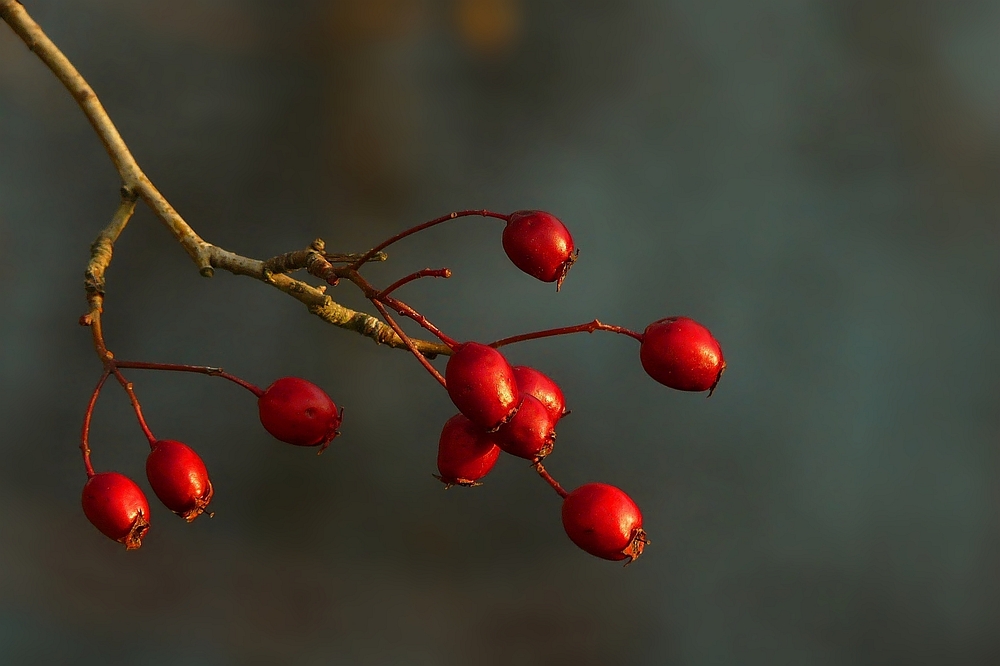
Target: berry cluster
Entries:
(291, 409)
(502, 408)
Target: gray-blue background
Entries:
(815, 181)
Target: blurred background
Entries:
(815, 181)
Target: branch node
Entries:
(203, 258)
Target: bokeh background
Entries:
(816, 181)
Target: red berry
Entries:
(179, 478)
(117, 507)
(539, 244)
(466, 452)
(298, 412)
(481, 384)
(530, 433)
(604, 521)
(534, 383)
(681, 353)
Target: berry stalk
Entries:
(136, 407)
(426, 272)
(542, 472)
(409, 343)
(589, 327)
(420, 227)
(405, 310)
(87, 416)
(376, 297)
(201, 369)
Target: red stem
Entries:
(420, 227)
(202, 369)
(399, 306)
(405, 310)
(409, 343)
(426, 272)
(548, 478)
(589, 327)
(85, 437)
(127, 385)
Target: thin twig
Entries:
(132, 176)
(102, 249)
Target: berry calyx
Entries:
(604, 521)
(530, 433)
(534, 383)
(481, 383)
(179, 478)
(539, 244)
(681, 353)
(466, 453)
(298, 412)
(117, 507)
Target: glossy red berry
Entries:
(466, 452)
(530, 433)
(298, 412)
(604, 521)
(534, 383)
(539, 244)
(481, 383)
(179, 478)
(117, 507)
(681, 353)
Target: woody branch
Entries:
(206, 256)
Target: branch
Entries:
(102, 249)
(135, 184)
(319, 303)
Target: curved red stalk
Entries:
(405, 310)
(201, 369)
(409, 343)
(589, 327)
(127, 385)
(426, 272)
(548, 478)
(85, 437)
(367, 256)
